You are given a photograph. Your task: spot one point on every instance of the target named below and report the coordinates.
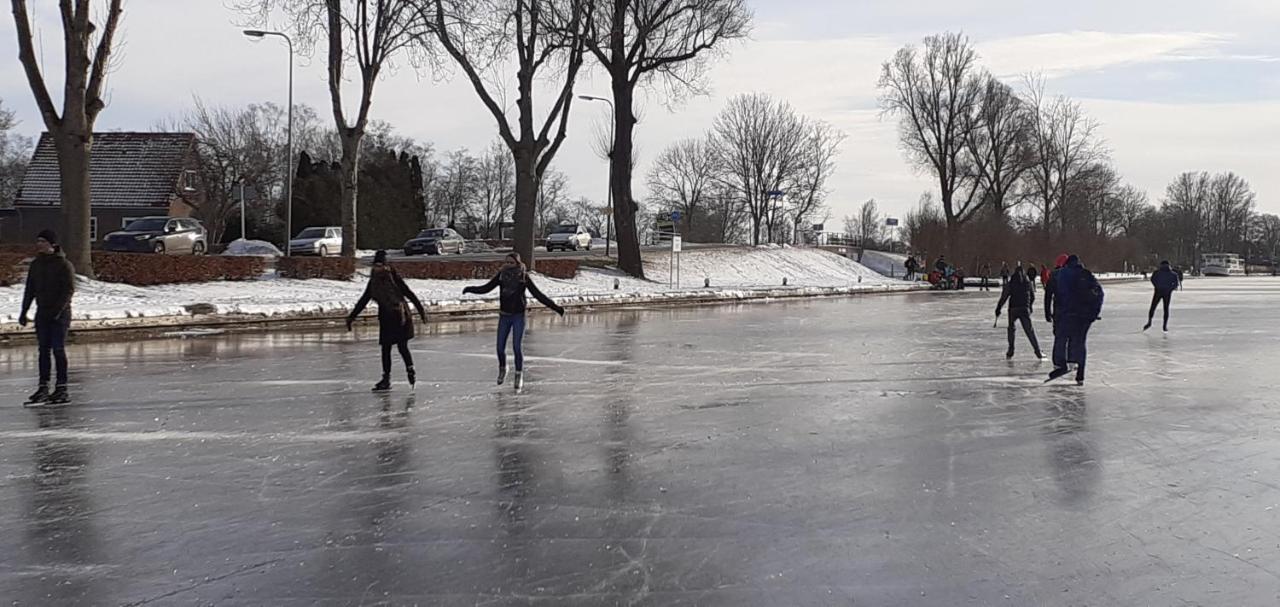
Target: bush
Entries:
(145, 269)
(479, 270)
(303, 268)
(11, 268)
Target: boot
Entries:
(413, 377)
(1009, 353)
(1079, 376)
(40, 397)
(519, 380)
(1056, 373)
(1147, 326)
(59, 396)
(502, 375)
(384, 385)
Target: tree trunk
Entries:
(73, 147)
(350, 168)
(526, 204)
(624, 206)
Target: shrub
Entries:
(331, 268)
(478, 270)
(145, 269)
(11, 268)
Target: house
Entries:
(131, 175)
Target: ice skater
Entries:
(1077, 303)
(51, 283)
(513, 281)
(1021, 295)
(395, 320)
(1165, 281)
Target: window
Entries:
(93, 228)
(189, 180)
(124, 223)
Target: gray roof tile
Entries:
(125, 170)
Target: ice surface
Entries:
(860, 451)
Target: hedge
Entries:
(11, 268)
(481, 270)
(146, 269)
(331, 268)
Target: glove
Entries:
(423, 316)
(997, 313)
(22, 320)
(350, 322)
(560, 311)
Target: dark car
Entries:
(164, 235)
(435, 241)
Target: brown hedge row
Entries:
(481, 270)
(11, 268)
(145, 269)
(331, 268)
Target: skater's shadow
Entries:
(1071, 452)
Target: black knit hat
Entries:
(380, 256)
(49, 236)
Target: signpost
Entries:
(677, 245)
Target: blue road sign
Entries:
(675, 216)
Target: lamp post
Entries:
(288, 163)
(613, 136)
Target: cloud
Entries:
(1060, 53)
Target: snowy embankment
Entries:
(885, 264)
(736, 273)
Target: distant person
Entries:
(514, 281)
(1077, 304)
(986, 277)
(51, 283)
(1044, 276)
(1004, 273)
(1178, 271)
(395, 320)
(1031, 275)
(911, 267)
(1165, 281)
(941, 265)
(1020, 293)
(959, 277)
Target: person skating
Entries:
(51, 283)
(1004, 273)
(1165, 281)
(395, 320)
(1076, 305)
(1021, 296)
(986, 277)
(911, 267)
(1050, 287)
(513, 281)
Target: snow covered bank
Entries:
(736, 273)
(885, 264)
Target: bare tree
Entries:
(641, 42)
(495, 188)
(454, 191)
(1266, 235)
(87, 58)
(15, 153)
(368, 33)
(760, 146)
(553, 193)
(809, 187)
(684, 177)
(998, 143)
(934, 94)
(869, 224)
(1064, 147)
(588, 214)
(545, 36)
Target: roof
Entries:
(125, 170)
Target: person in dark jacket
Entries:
(1077, 304)
(1031, 276)
(395, 320)
(1050, 286)
(1004, 273)
(513, 281)
(941, 265)
(51, 283)
(1021, 295)
(1165, 281)
(911, 267)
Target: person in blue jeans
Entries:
(51, 282)
(513, 281)
(1076, 304)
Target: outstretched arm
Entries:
(360, 305)
(409, 295)
(1004, 296)
(543, 299)
(484, 288)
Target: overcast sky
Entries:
(1177, 84)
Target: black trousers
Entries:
(404, 355)
(1023, 316)
(1156, 298)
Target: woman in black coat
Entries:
(395, 320)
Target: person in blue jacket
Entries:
(1077, 303)
(1165, 281)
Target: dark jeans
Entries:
(1069, 337)
(509, 324)
(1156, 298)
(51, 336)
(1023, 316)
(404, 355)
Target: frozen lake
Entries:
(863, 451)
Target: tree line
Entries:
(1022, 174)
(523, 46)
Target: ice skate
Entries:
(383, 386)
(40, 397)
(502, 375)
(59, 396)
(519, 380)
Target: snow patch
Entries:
(252, 248)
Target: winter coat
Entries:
(1077, 293)
(395, 320)
(51, 282)
(1165, 279)
(941, 266)
(1020, 294)
(514, 282)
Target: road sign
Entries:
(892, 221)
(675, 216)
(777, 193)
(676, 244)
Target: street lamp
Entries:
(613, 136)
(288, 163)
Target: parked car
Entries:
(163, 235)
(317, 241)
(435, 241)
(569, 237)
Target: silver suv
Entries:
(164, 235)
(317, 241)
(569, 237)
